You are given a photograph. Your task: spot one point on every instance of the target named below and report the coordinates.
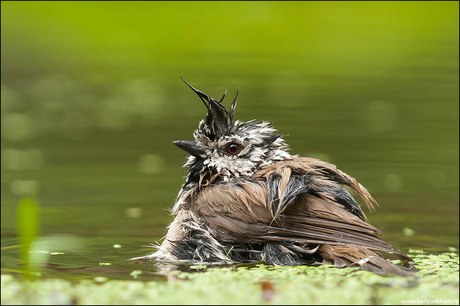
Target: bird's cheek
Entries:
(214, 156)
(213, 160)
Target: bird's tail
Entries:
(352, 256)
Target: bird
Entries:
(246, 199)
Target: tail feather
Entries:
(351, 256)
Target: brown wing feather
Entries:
(320, 169)
(245, 201)
(328, 222)
(240, 211)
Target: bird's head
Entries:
(225, 149)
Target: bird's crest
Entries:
(219, 120)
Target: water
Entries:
(88, 122)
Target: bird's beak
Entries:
(190, 147)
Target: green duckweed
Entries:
(437, 283)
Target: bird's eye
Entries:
(233, 148)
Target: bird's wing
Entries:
(320, 178)
(301, 201)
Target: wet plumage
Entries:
(246, 199)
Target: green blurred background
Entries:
(91, 101)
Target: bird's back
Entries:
(290, 212)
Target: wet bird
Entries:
(246, 199)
